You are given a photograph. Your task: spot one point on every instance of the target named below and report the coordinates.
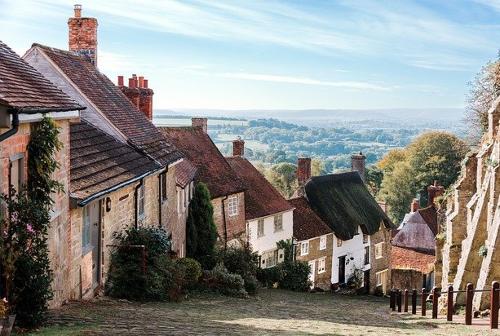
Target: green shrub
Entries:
(295, 276)
(269, 276)
(163, 279)
(251, 284)
(192, 271)
(220, 280)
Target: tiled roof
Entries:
(306, 223)
(403, 258)
(114, 104)
(185, 172)
(100, 162)
(415, 234)
(25, 89)
(261, 198)
(213, 169)
(429, 215)
(344, 203)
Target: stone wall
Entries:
(407, 279)
(321, 280)
(383, 235)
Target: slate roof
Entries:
(213, 169)
(261, 198)
(99, 162)
(306, 223)
(185, 172)
(114, 104)
(402, 258)
(416, 233)
(25, 89)
(344, 203)
(429, 214)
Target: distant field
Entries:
(187, 122)
(222, 138)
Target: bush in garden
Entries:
(127, 278)
(220, 280)
(251, 284)
(242, 261)
(192, 271)
(295, 276)
(269, 276)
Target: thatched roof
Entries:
(344, 203)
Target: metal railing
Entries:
(399, 299)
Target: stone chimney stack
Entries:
(238, 147)
(433, 192)
(303, 170)
(358, 163)
(415, 205)
(200, 122)
(83, 35)
(138, 93)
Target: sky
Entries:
(264, 54)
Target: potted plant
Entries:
(6, 320)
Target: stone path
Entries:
(272, 312)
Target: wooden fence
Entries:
(399, 299)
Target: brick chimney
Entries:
(238, 147)
(200, 122)
(415, 205)
(303, 170)
(83, 35)
(358, 163)
(433, 191)
(138, 93)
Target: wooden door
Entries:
(342, 270)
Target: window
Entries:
(380, 277)
(278, 223)
(260, 228)
(191, 187)
(140, 201)
(163, 187)
(16, 173)
(269, 259)
(367, 255)
(321, 265)
(322, 242)
(379, 250)
(232, 206)
(304, 248)
(366, 238)
(339, 242)
(86, 229)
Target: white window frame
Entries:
(304, 248)
(379, 250)
(141, 202)
(269, 259)
(260, 228)
(322, 243)
(378, 277)
(278, 222)
(16, 162)
(232, 205)
(322, 265)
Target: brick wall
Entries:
(406, 279)
(321, 280)
(82, 37)
(235, 225)
(377, 265)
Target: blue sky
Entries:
(279, 54)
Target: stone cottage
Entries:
(226, 188)
(269, 217)
(25, 96)
(469, 246)
(123, 170)
(360, 226)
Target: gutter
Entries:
(15, 125)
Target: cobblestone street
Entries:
(272, 312)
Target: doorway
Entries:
(342, 270)
(93, 223)
(366, 281)
(312, 266)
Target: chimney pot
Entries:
(200, 122)
(131, 83)
(141, 81)
(145, 83)
(238, 147)
(120, 80)
(358, 163)
(415, 205)
(433, 191)
(78, 10)
(303, 170)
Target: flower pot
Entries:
(6, 325)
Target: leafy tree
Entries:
(391, 159)
(317, 167)
(283, 177)
(483, 90)
(397, 190)
(374, 177)
(201, 229)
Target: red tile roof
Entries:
(261, 198)
(403, 258)
(213, 169)
(25, 89)
(141, 133)
(306, 223)
(185, 172)
(100, 162)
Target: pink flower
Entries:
(29, 228)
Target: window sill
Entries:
(280, 230)
(321, 272)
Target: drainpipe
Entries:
(224, 221)
(15, 125)
(160, 194)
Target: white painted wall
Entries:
(268, 241)
(354, 250)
